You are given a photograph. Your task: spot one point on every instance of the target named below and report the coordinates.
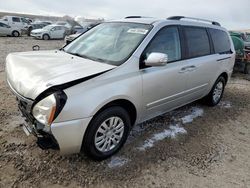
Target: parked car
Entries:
(6, 30)
(78, 29)
(69, 38)
(49, 32)
(34, 26)
(16, 21)
(78, 32)
(242, 47)
(88, 95)
(243, 36)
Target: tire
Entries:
(46, 37)
(29, 31)
(247, 68)
(15, 34)
(92, 144)
(216, 93)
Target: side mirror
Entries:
(156, 59)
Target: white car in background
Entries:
(6, 30)
(49, 32)
(17, 22)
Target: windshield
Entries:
(110, 43)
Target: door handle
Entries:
(188, 69)
(192, 68)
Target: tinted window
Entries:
(166, 41)
(15, 19)
(220, 40)
(197, 41)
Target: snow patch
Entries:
(225, 104)
(172, 132)
(117, 162)
(195, 112)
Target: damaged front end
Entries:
(45, 138)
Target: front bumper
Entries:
(69, 134)
(39, 36)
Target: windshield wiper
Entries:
(77, 54)
(87, 57)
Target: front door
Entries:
(164, 87)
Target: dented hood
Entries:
(31, 73)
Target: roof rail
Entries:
(128, 17)
(190, 18)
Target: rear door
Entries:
(57, 32)
(201, 63)
(164, 87)
(223, 50)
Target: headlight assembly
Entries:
(47, 109)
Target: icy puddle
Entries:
(174, 129)
(225, 104)
(179, 117)
(117, 162)
(172, 132)
(195, 112)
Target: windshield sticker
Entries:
(138, 31)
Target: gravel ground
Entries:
(194, 146)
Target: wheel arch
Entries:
(124, 103)
(46, 34)
(224, 75)
(15, 31)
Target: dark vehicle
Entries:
(78, 29)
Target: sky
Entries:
(232, 14)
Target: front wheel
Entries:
(46, 37)
(215, 95)
(15, 34)
(107, 133)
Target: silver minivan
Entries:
(88, 95)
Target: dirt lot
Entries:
(195, 146)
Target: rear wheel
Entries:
(15, 34)
(215, 95)
(247, 68)
(107, 133)
(46, 37)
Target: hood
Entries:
(31, 73)
(38, 30)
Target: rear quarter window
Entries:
(220, 40)
(197, 42)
